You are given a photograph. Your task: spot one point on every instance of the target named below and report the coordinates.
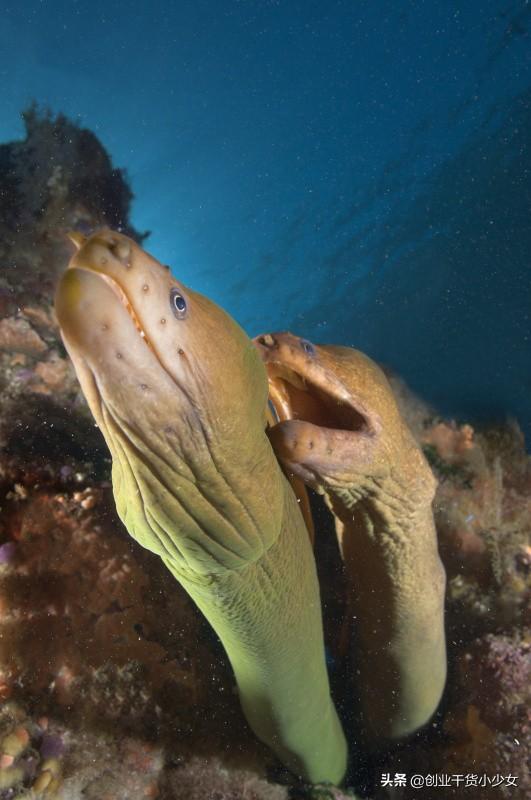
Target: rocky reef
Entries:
(57, 179)
(481, 735)
(112, 685)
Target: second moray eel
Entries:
(180, 394)
(340, 431)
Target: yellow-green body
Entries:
(181, 403)
(285, 699)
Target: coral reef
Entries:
(78, 612)
(112, 685)
(483, 515)
(489, 725)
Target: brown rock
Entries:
(41, 318)
(17, 335)
(53, 373)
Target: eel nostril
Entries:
(121, 249)
(266, 340)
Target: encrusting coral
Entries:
(483, 515)
(66, 571)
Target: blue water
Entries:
(358, 172)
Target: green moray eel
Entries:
(180, 395)
(340, 431)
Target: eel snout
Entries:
(139, 282)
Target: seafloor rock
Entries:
(77, 602)
(112, 685)
(490, 725)
(484, 745)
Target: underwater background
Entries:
(357, 172)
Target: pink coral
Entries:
(450, 441)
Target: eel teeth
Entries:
(117, 289)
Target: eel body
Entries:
(180, 395)
(339, 430)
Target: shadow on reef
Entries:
(112, 684)
(54, 435)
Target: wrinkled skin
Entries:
(179, 393)
(339, 430)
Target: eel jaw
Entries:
(120, 293)
(77, 239)
(317, 399)
(322, 434)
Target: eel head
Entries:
(338, 425)
(174, 383)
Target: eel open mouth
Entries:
(322, 421)
(316, 399)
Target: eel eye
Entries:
(178, 304)
(308, 347)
